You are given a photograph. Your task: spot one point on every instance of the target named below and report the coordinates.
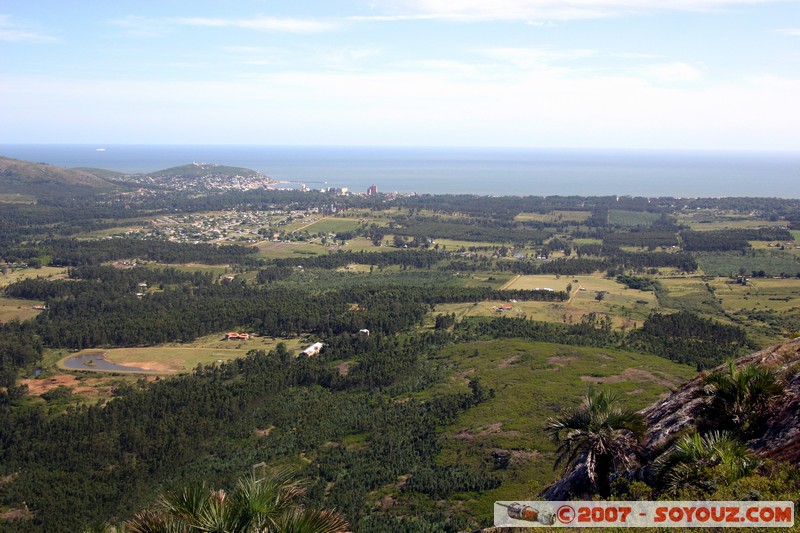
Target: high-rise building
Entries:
(373, 190)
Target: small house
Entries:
(314, 349)
(234, 336)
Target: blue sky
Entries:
(709, 74)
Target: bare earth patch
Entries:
(631, 374)
(607, 379)
(492, 429)
(519, 457)
(151, 365)
(16, 514)
(264, 432)
(464, 375)
(605, 356)
(637, 374)
(510, 361)
(343, 368)
(561, 360)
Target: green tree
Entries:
(267, 504)
(600, 433)
(739, 398)
(703, 462)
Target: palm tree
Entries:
(600, 433)
(696, 460)
(740, 397)
(263, 504)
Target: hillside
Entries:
(776, 437)
(202, 177)
(41, 180)
(196, 170)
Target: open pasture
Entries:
(623, 305)
(280, 250)
(15, 274)
(533, 381)
(177, 358)
(775, 294)
(631, 219)
(14, 309)
(17, 198)
(773, 263)
(328, 225)
(554, 216)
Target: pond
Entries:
(97, 361)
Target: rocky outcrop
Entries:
(779, 438)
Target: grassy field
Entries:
(793, 249)
(453, 244)
(17, 198)
(725, 264)
(532, 381)
(631, 218)
(176, 358)
(712, 219)
(17, 274)
(554, 216)
(326, 225)
(624, 306)
(13, 309)
(281, 250)
(775, 294)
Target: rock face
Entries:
(780, 438)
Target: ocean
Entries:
(483, 171)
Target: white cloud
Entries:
(789, 31)
(259, 23)
(413, 107)
(533, 11)
(528, 58)
(675, 72)
(10, 32)
(151, 27)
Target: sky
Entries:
(621, 74)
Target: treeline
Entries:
(687, 338)
(682, 337)
(410, 258)
(71, 252)
(639, 283)
(731, 239)
(477, 232)
(20, 347)
(642, 239)
(102, 308)
(619, 260)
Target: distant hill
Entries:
(102, 173)
(200, 177)
(198, 170)
(42, 180)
